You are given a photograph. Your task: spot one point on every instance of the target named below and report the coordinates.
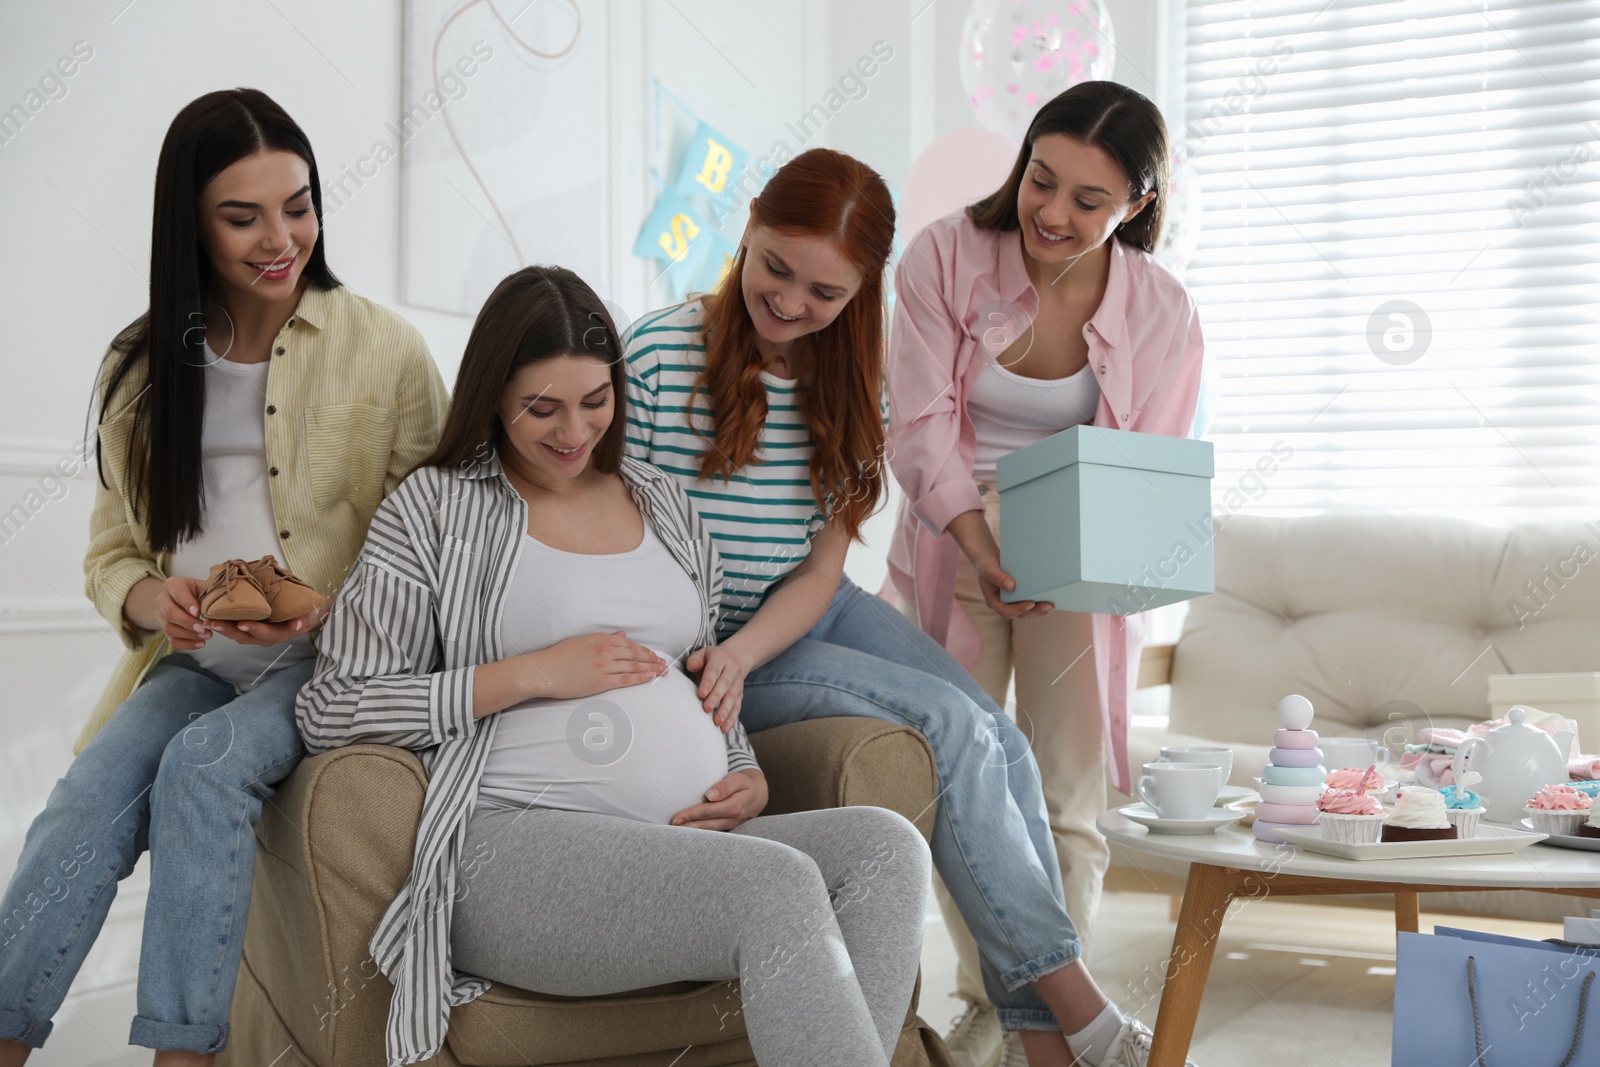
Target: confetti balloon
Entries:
(1180, 232)
(1017, 54)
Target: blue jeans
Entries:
(991, 839)
(182, 769)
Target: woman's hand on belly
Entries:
(738, 798)
(721, 690)
(591, 663)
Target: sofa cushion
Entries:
(1387, 621)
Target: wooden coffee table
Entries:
(1231, 864)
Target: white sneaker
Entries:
(1132, 1047)
(1011, 1054)
(974, 1038)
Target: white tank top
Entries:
(1009, 411)
(642, 752)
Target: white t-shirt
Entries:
(237, 522)
(1010, 412)
(641, 752)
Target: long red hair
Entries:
(826, 194)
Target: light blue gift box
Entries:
(1107, 521)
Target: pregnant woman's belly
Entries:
(642, 752)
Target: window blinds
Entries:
(1398, 265)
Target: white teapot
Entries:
(1516, 761)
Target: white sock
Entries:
(1093, 1043)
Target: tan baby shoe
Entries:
(287, 595)
(233, 594)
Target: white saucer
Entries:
(1234, 794)
(1145, 815)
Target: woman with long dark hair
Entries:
(764, 399)
(520, 616)
(1036, 309)
(257, 411)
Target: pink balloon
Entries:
(962, 166)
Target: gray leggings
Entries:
(818, 914)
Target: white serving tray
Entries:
(1491, 840)
(1585, 844)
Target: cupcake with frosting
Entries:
(1558, 809)
(1349, 815)
(1419, 815)
(1590, 789)
(1350, 779)
(1462, 806)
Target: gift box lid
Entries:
(1532, 688)
(1109, 448)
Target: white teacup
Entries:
(1179, 790)
(1357, 752)
(1219, 756)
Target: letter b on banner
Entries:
(714, 168)
(711, 163)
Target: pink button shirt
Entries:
(956, 282)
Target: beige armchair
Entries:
(335, 845)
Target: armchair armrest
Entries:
(335, 847)
(837, 762)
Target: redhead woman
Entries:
(258, 411)
(520, 616)
(764, 400)
(1037, 309)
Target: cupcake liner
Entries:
(1565, 823)
(1351, 829)
(1465, 820)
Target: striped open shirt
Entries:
(420, 610)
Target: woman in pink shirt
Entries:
(1033, 310)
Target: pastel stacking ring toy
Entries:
(1294, 776)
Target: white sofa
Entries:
(1389, 622)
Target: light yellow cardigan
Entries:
(353, 402)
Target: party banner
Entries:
(710, 165)
(682, 231)
(672, 231)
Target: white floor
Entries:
(1291, 982)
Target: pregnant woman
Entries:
(258, 408)
(521, 615)
(1036, 309)
(764, 401)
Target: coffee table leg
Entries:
(1205, 902)
(1405, 912)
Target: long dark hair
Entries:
(828, 194)
(1109, 115)
(536, 314)
(162, 475)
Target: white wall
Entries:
(75, 194)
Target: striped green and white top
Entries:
(763, 518)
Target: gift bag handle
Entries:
(1477, 1026)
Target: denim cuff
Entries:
(1014, 1019)
(19, 1026)
(197, 1037)
(1037, 968)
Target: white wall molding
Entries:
(31, 457)
(34, 615)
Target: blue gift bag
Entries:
(1462, 997)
